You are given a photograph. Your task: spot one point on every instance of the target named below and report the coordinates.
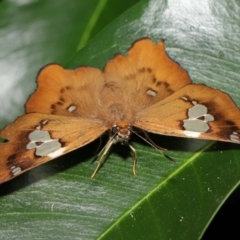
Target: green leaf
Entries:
(167, 200)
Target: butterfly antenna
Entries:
(151, 143)
(103, 154)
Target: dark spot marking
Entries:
(62, 90)
(142, 70)
(149, 70)
(158, 83)
(38, 143)
(180, 125)
(59, 103)
(166, 84)
(217, 116)
(53, 106)
(68, 88)
(63, 143)
(11, 158)
(229, 122)
(61, 99)
(224, 135)
(232, 125)
(130, 76)
(108, 85)
(24, 136)
(154, 79)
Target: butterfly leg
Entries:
(103, 154)
(158, 148)
(100, 144)
(153, 143)
(134, 159)
(150, 142)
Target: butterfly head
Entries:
(121, 132)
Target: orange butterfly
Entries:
(144, 89)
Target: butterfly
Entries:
(144, 90)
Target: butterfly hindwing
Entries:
(196, 111)
(35, 138)
(144, 76)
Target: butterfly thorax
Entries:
(121, 132)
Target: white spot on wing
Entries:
(16, 170)
(39, 136)
(44, 122)
(234, 137)
(152, 93)
(197, 111)
(48, 147)
(72, 108)
(43, 143)
(192, 134)
(195, 125)
(198, 119)
(56, 153)
(208, 117)
(31, 145)
(184, 98)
